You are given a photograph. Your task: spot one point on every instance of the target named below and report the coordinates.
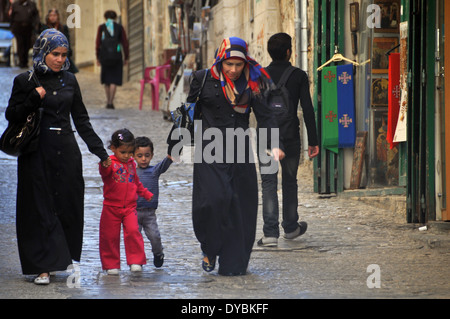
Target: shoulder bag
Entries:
(185, 115)
(23, 137)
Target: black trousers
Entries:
(23, 36)
(289, 167)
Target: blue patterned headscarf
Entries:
(48, 41)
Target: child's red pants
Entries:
(111, 221)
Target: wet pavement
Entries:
(351, 249)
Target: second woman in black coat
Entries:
(225, 190)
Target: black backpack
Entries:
(110, 52)
(278, 98)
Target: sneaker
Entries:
(158, 260)
(135, 268)
(112, 271)
(302, 226)
(268, 242)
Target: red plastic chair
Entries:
(162, 76)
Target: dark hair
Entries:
(122, 137)
(278, 45)
(143, 141)
(110, 14)
(50, 11)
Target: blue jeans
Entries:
(289, 167)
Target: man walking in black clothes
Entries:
(24, 25)
(280, 50)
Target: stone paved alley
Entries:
(334, 259)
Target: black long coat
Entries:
(50, 189)
(225, 195)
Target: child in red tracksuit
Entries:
(120, 192)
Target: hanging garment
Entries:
(338, 108)
(330, 129)
(394, 97)
(346, 106)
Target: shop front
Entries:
(379, 92)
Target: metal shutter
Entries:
(136, 39)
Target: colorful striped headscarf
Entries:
(48, 41)
(234, 47)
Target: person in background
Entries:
(24, 18)
(111, 47)
(280, 50)
(5, 6)
(52, 21)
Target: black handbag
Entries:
(185, 115)
(22, 137)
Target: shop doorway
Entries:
(421, 133)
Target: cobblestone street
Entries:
(333, 259)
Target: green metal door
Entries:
(421, 106)
(329, 36)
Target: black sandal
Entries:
(208, 264)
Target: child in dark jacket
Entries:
(149, 175)
(120, 192)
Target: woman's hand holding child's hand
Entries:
(106, 163)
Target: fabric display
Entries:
(338, 108)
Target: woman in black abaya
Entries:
(225, 191)
(50, 189)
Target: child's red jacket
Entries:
(121, 184)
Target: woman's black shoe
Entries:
(208, 264)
